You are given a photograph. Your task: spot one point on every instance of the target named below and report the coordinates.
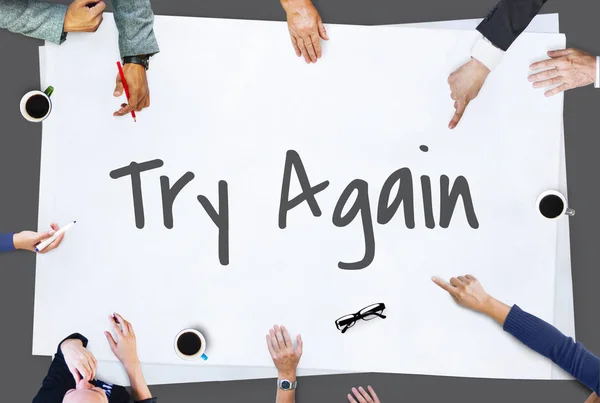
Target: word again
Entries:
(169, 194)
(385, 209)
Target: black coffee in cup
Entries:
(37, 106)
(551, 206)
(189, 344)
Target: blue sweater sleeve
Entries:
(548, 341)
(6, 242)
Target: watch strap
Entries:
(141, 60)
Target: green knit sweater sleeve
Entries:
(37, 19)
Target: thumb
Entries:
(119, 87)
(444, 285)
(84, 3)
(299, 345)
(97, 8)
(75, 374)
(111, 341)
(323, 31)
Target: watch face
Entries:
(286, 385)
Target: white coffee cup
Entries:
(545, 210)
(29, 97)
(198, 354)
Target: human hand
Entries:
(81, 363)
(139, 94)
(362, 396)
(465, 84)
(593, 398)
(306, 29)
(284, 356)
(468, 292)
(28, 240)
(569, 68)
(125, 346)
(84, 16)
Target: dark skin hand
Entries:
(139, 94)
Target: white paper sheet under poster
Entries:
(237, 115)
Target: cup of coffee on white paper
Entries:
(552, 205)
(36, 105)
(190, 345)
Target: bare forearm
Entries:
(497, 311)
(287, 3)
(139, 388)
(286, 396)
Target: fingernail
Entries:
(433, 278)
(530, 78)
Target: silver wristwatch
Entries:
(284, 384)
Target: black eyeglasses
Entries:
(371, 312)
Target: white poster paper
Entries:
(246, 80)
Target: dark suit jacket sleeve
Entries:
(508, 19)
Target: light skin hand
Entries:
(28, 240)
(593, 398)
(468, 292)
(465, 84)
(139, 93)
(81, 363)
(84, 16)
(306, 29)
(124, 347)
(568, 69)
(285, 357)
(363, 396)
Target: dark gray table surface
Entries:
(20, 143)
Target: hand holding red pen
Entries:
(137, 83)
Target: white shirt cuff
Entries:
(487, 53)
(597, 84)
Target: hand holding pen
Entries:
(132, 80)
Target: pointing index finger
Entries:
(115, 327)
(444, 285)
(460, 110)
